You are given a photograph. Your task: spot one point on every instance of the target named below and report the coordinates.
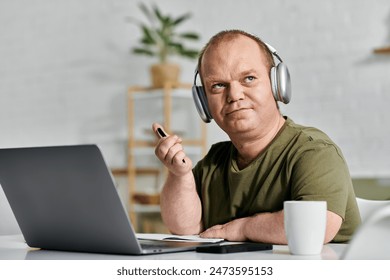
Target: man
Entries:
(237, 191)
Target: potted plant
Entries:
(161, 39)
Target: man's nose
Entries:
(235, 92)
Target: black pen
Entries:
(162, 134)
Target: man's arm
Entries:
(181, 208)
(265, 227)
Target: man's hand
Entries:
(231, 231)
(170, 152)
(265, 227)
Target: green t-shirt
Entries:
(301, 163)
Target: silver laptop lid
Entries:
(64, 198)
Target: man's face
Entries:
(237, 85)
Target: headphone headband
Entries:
(273, 51)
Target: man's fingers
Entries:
(173, 152)
(169, 148)
(216, 231)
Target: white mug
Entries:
(305, 226)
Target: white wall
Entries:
(65, 67)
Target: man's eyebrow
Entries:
(213, 79)
(248, 72)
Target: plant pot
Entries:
(162, 74)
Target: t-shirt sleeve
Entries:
(321, 173)
(197, 172)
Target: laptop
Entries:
(64, 198)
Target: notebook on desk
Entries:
(64, 198)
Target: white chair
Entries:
(371, 240)
(8, 224)
(367, 206)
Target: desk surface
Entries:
(13, 247)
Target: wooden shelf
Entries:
(382, 50)
(146, 199)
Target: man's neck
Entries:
(249, 148)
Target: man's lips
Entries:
(232, 111)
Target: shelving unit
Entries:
(171, 106)
(382, 50)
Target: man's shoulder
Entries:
(307, 133)
(307, 138)
(220, 149)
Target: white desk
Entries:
(13, 247)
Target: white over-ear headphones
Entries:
(280, 84)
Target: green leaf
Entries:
(158, 14)
(168, 22)
(147, 41)
(189, 35)
(175, 48)
(143, 51)
(181, 19)
(147, 35)
(146, 12)
(190, 53)
(175, 45)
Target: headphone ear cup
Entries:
(200, 101)
(281, 83)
